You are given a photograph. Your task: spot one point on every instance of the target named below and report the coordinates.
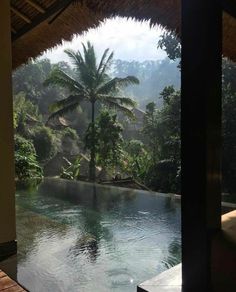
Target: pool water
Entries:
(75, 236)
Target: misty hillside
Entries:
(153, 76)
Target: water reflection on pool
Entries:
(79, 237)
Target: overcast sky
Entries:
(130, 40)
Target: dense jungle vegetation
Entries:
(104, 119)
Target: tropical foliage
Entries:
(29, 80)
(90, 83)
(44, 143)
(80, 94)
(108, 140)
(153, 77)
(171, 44)
(26, 165)
(137, 160)
(162, 129)
(24, 111)
(173, 48)
(72, 171)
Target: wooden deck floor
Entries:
(8, 285)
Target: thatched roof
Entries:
(38, 25)
(58, 122)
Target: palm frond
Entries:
(75, 57)
(117, 83)
(65, 102)
(102, 61)
(126, 101)
(121, 108)
(85, 66)
(59, 77)
(106, 65)
(84, 48)
(83, 70)
(90, 57)
(63, 111)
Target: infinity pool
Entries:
(75, 236)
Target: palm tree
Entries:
(93, 84)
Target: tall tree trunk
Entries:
(92, 165)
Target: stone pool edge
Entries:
(169, 280)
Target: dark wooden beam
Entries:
(13, 30)
(201, 138)
(54, 8)
(229, 6)
(38, 7)
(59, 13)
(20, 14)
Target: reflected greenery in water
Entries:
(174, 256)
(119, 237)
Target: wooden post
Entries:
(201, 138)
(7, 188)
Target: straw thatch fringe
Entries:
(82, 15)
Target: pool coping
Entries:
(169, 280)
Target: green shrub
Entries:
(107, 139)
(24, 109)
(72, 171)
(70, 142)
(24, 147)
(136, 160)
(26, 165)
(44, 143)
(164, 176)
(70, 133)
